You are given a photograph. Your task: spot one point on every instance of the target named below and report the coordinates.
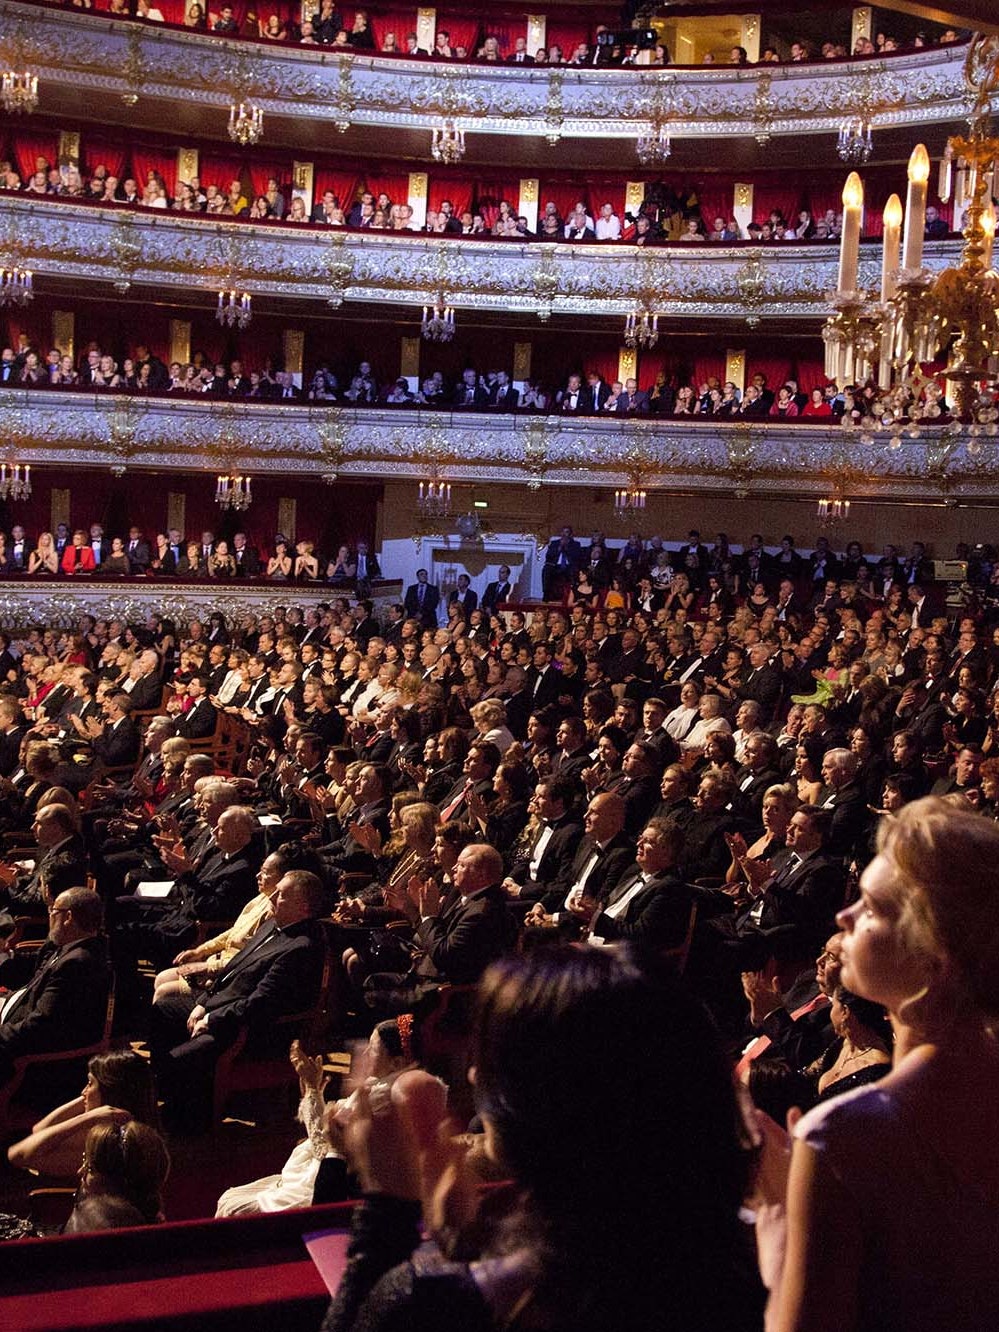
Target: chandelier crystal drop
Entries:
(641, 329)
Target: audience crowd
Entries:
(687, 750)
(618, 46)
(582, 394)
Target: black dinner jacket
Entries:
(555, 865)
(460, 942)
(658, 915)
(277, 974)
(614, 861)
(64, 1005)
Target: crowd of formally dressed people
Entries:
(622, 45)
(716, 758)
(582, 393)
(667, 214)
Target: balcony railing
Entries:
(172, 251)
(60, 429)
(95, 54)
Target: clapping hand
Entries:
(757, 873)
(311, 1074)
(368, 836)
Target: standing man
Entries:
(421, 600)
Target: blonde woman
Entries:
(44, 559)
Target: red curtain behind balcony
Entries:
(28, 145)
(464, 31)
(346, 185)
(97, 152)
(393, 183)
(145, 160)
(490, 191)
(459, 189)
(559, 32)
(398, 21)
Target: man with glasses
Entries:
(64, 1005)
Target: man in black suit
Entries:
(543, 681)
(759, 773)
(350, 851)
(706, 853)
(471, 392)
(64, 1005)
(117, 742)
(18, 549)
(520, 54)
(846, 798)
(367, 568)
(604, 854)
(277, 975)
(652, 905)
(12, 731)
(137, 550)
(595, 394)
(56, 836)
(459, 935)
(795, 903)
(421, 600)
(544, 869)
(761, 680)
(198, 722)
(503, 394)
(143, 684)
(247, 559)
(464, 595)
(497, 591)
(563, 557)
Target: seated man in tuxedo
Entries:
(277, 975)
(650, 906)
(603, 856)
(56, 835)
(544, 870)
(456, 936)
(64, 1005)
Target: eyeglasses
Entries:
(60, 911)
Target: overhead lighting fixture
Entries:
(234, 308)
(19, 92)
(246, 123)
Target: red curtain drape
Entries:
(566, 35)
(459, 189)
(146, 159)
(221, 169)
(346, 185)
(260, 171)
(100, 152)
(28, 146)
(464, 31)
(488, 192)
(393, 183)
(504, 31)
(398, 21)
(564, 194)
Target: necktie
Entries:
(420, 591)
(450, 808)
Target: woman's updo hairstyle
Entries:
(947, 891)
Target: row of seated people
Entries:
(666, 215)
(609, 48)
(79, 552)
(588, 394)
(663, 736)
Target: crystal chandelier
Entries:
(15, 484)
(15, 286)
(437, 324)
(233, 492)
(833, 510)
(447, 143)
(433, 499)
(854, 143)
(653, 148)
(234, 308)
(19, 92)
(641, 329)
(246, 123)
(629, 501)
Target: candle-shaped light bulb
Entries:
(890, 256)
(849, 248)
(989, 232)
(915, 208)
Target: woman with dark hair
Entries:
(808, 769)
(119, 1087)
(127, 1163)
(606, 773)
(861, 1052)
(627, 1189)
